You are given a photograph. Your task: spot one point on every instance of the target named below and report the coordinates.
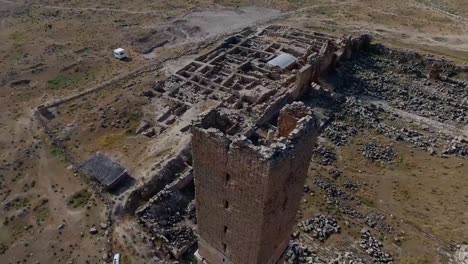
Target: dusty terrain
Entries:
(53, 49)
(381, 162)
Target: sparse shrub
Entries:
(63, 81)
(59, 154)
(79, 199)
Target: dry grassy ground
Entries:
(420, 195)
(51, 49)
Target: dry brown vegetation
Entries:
(419, 192)
(51, 48)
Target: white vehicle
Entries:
(116, 259)
(120, 53)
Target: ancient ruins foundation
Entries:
(251, 151)
(257, 72)
(244, 90)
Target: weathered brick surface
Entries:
(247, 196)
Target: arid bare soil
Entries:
(52, 49)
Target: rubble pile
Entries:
(413, 137)
(461, 255)
(367, 116)
(169, 211)
(375, 78)
(331, 190)
(343, 203)
(373, 220)
(339, 132)
(324, 156)
(320, 226)
(404, 83)
(374, 152)
(299, 253)
(349, 185)
(191, 212)
(346, 258)
(457, 147)
(335, 174)
(181, 237)
(170, 216)
(373, 247)
(377, 220)
(358, 115)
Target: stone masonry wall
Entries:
(229, 204)
(245, 192)
(247, 196)
(287, 174)
(209, 158)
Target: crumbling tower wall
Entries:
(248, 193)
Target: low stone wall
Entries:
(166, 175)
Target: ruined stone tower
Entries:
(249, 179)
